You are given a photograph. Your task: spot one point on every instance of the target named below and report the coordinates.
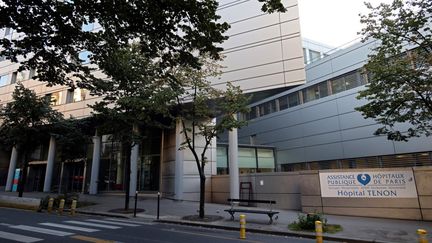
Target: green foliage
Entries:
(399, 94)
(171, 31)
(306, 222)
(26, 120)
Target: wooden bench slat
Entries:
(252, 201)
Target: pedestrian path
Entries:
(33, 233)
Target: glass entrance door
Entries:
(149, 173)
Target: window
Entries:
(32, 73)
(283, 102)
(4, 80)
(8, 31)
(54, 98)
(323, 89)
(222, 160)
(305, 56)
(293, 99)
(84, 57)
(253, 113)
(310, 93)
(23, 75)
(75, 95)
(314, 55)
(14, 77)
(338, 85)
(351, 80)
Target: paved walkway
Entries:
(354, 228)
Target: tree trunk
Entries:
(23, 176)
(127, 151)
(202, 195)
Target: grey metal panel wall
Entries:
(327, 128)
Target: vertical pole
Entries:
(11, 171)
(242, 226)
(158, 205)
(422, 236)
(133, 168)
(50, 165)
(135, 207)
(233, 163)
(94, 175)
(50, 204)
(178, 176)
(318, 232)
(84, 177)
(61, 206)
(61, 178)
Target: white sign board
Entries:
(373, 184)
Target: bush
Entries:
(307, 222)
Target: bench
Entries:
(234, 210)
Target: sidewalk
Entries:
(360, 229)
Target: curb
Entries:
(261, 231)
(99, 213)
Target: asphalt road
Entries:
(27, 226)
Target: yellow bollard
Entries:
(318, 231)
(50, 204)
(242, 226)
(422, 236)
(73, 207)
(61, 206)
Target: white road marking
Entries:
(130, 221)
(63, 226)
(112, 222)
(41, 230)
(19, 238)
(92, 224)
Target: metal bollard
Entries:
(73, 207)
(318, 231)
(242, 226)
(61, 206)
(50, 204)
(136, 199)
(158, 205)
(422, 236)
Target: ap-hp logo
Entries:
(364, 179)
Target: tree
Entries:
(135, 95)
(200, 104)
(400, 86)
(26, 121)
(53, 33)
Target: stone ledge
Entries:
(20, 202)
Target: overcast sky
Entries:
(332, 22)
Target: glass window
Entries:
(4, 80)
(246, 158)
(305, 56)
(222, 160)
(293, 99)
(314, 55)
(323, 89)
(79, 95)
(283, 102)
(338, 85)
(253, 113)
(351, 80)
(32, 73)
(23, 75)
(55, 98)
(14, 77)
(7, 31)
(310, 93)
(266, 161)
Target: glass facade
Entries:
(250, 160)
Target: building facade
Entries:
(315, 125)
(263, 53)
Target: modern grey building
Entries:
(315, 125)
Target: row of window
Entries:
(250, 160)
(385, 161)
(14, 77)
(333, 86)
(71, 96)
